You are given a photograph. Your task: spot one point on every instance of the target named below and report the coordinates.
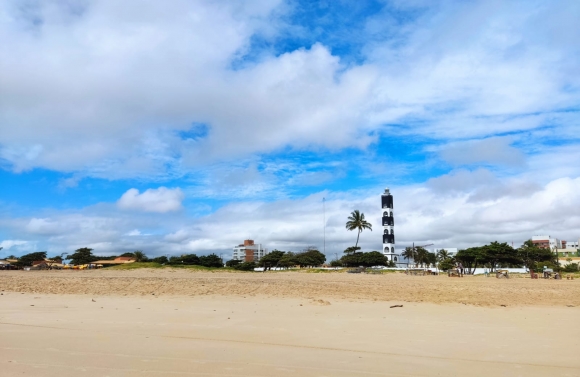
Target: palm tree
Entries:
(422, 255)
(356, 220)
(442, 255)
(409, 253)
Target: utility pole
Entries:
(324, 224)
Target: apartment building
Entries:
(249, 251)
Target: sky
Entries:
(188, 126)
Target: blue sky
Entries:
(191, 126)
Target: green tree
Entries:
(140, 256)
(446, 264)
(310, 258)
(84, 255)
(373, 258)
(26, 260)
(161, 260)
(211, 260)
(421, 255)
(288, 260)
(245, 266)
(442, 255)
(351, 250)
(470, 258)
(190, 259)
(531, 254)
(233, 262)
(357, 221)
(128, 254)
(271, 259)
(410, 253)
(500, 254)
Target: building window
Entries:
(392, 231)
(395, 259)
(392, 249)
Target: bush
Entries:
(446, 264)
(571, 267)
(161, 260)
(233, 263)
(335, 263)
(246, 266)
(211, 260)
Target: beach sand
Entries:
(161, 323)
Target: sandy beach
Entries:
(177, 322)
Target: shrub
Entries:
(571, 267)
(161, 260)
(211, 260)
(246, 266)
(233, 263)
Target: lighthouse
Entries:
(389, 227)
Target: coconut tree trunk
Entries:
(357, 236)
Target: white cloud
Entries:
(494, 150)
(8, 244)
(128, 78)
(159, 200)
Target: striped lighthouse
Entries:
(388, 227)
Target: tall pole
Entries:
(324, 224)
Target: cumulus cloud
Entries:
(159, 200)
(129, 79)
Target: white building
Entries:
(573, 245)
(547, 242)
(249, 251)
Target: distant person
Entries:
(460, 267)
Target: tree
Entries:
(421, 255)
(211, 260)
(130, 255)
(161, 260)
(287, 260)
(233, 263)
(446, 264)
(531, 254)
(442, 255)
(56, 259)
(409, 253)
(351, 250)
(26, 260)
(271, 259)
(140, 256)
(374, 258)
(245, 266)
(189, 259)
(470, 258)
(500, 254)
(357, 221)
(83, 255)
(310, 258)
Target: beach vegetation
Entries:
(27, 259)
(140, 256)
(161, 260)
(233, 262)
(245, 266)
(271, 259)
(84, 255)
